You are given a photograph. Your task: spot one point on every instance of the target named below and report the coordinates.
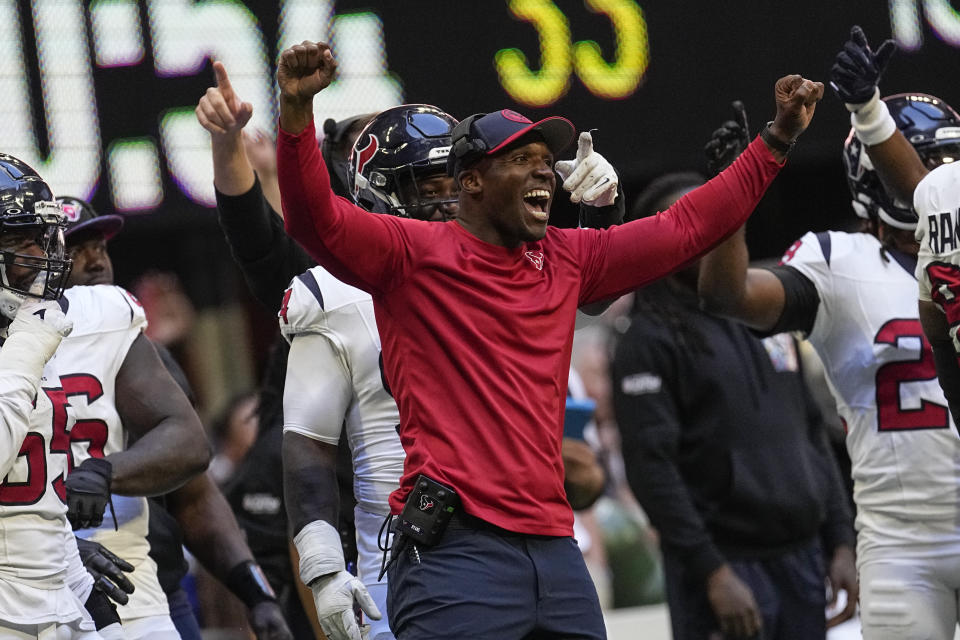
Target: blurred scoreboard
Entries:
(99, 96)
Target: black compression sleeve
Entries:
(948, 373)
(267, 256)
(800, 304)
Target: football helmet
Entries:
(395, 151)
(932, 127)
(33, 258)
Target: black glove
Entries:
(267, 621)
(728, 141)
(88, 492)
(107, 570)
(856, 70)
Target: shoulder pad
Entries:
(102, 308)
(310, 299)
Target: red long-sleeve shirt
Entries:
(476, 338)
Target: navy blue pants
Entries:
(789, 589)
(484, 583)
(181, 612)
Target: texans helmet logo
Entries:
(71, 212)
(365, 155)
(426, 504)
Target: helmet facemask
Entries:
(33, 260)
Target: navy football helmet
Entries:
(33, 258)
(398, 149)
(931, 126)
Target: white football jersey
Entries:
(35, 538)
(937, 203)
(900, 436)
(89, 360)
(317, 305)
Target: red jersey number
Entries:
(891, 416)
(93, 432)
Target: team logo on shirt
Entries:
(536, 257)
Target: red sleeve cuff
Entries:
(293, 139)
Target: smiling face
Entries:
(509, 195)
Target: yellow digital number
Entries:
(538, 88)
(620, 78)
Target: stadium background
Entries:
(99, 97)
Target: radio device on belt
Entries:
(427, 511)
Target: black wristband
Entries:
(247, 582)
(775, 142)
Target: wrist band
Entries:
(873, 122)
(247, 582)
(775, 142)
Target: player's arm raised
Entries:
(727, 286)
(855, 76)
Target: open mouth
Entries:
(536, 201)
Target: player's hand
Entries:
(220, 111)
(43, 323)
(334, 595)
(107, 570)
(733, 604)
(728, 141)
(267, 622)
(857, 69)
(796, 99)
(583, 478)
(261, 151)
(589, 178)
(304, 70)
(88, 492)
(843, 576)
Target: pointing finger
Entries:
(584, 145)
(223, 81)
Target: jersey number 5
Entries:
(891, 416)
(93, 432)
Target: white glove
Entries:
(34, 335)
(333, 596)
(590, 177)
(334, 589)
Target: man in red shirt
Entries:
(476, 320)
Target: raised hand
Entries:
(796, 99)
(220, 111)
(728, 141)
(857, 69)
(589, 178)
(304, 70)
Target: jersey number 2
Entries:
(891, 416)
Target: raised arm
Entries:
(643, 250)
(854, 77)
(370, 252)
(266, 255)
(32, 339)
